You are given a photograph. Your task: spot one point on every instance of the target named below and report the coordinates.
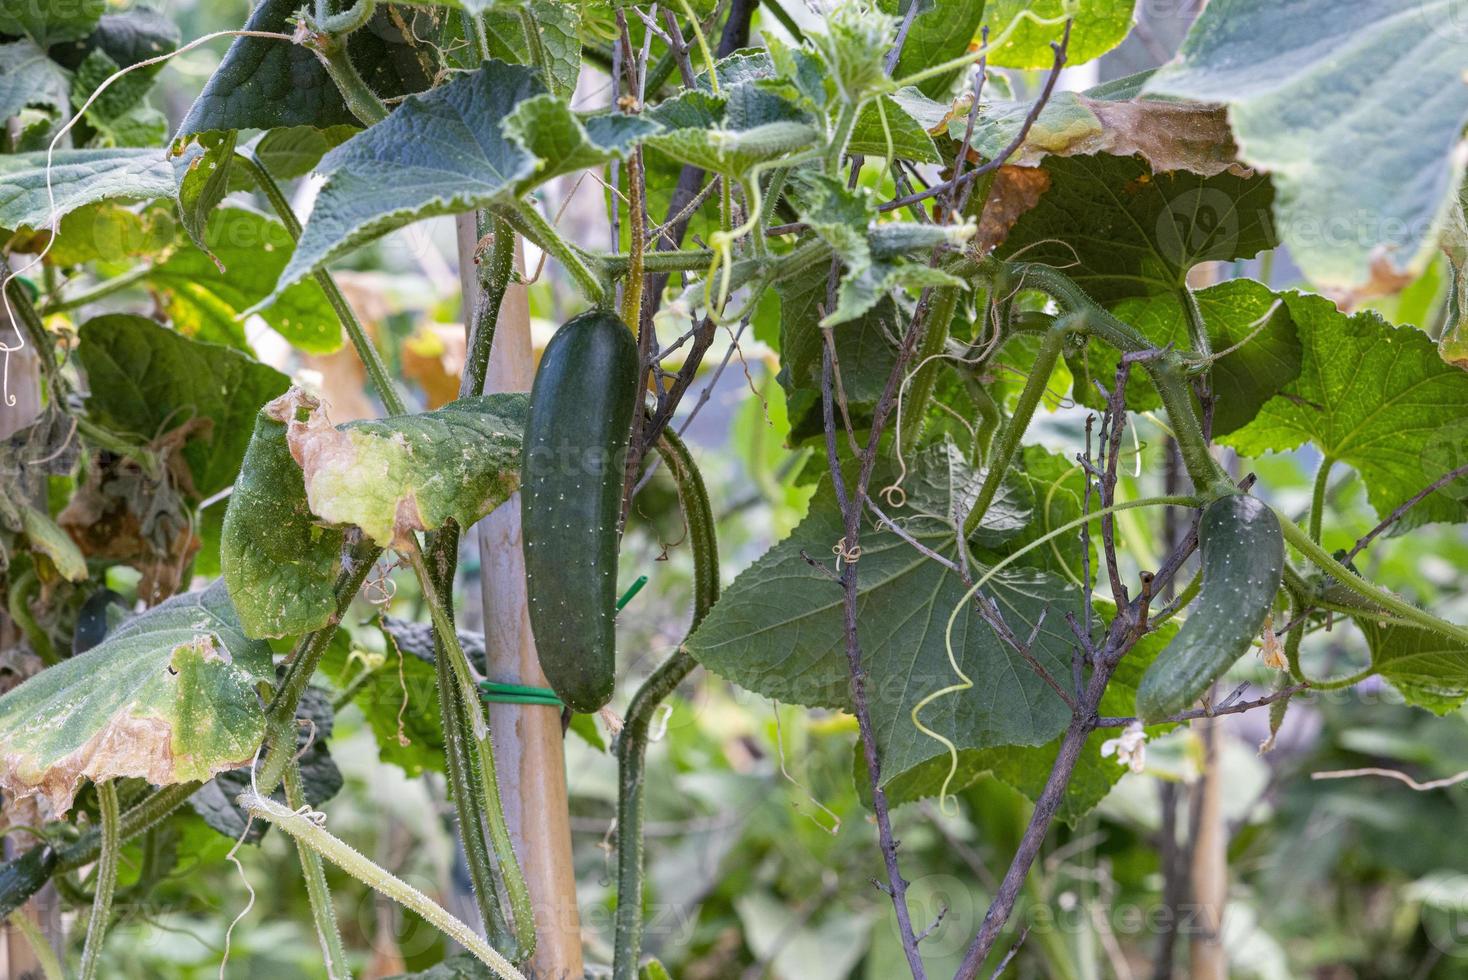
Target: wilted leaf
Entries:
(47, 539)
(169, 696)
(1339, 102)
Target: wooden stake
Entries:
(527, 738)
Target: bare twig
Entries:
(1431, 784)
(1226, 708)
(1401, 511)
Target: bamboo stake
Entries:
(527, 738)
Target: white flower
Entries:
(1130, 747)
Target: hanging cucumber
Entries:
(571, 501)
(1242, 549)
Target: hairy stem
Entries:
(314, 835)
(371, 360)
(106, 879)
(331, 51)
(529, 222)
(323, 914)
(1317, 498)
(1323, 560)
(488, 782)
(632, 743)
(151, 811)
(924, 376)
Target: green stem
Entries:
(371, 360)
(495, 275)
(499, 832)
(1317, 498)
(147, 814)
(684, 260)
(914, 408)
(45, 955)
(106, 879)
(100, 291)
(28, 322)
(22, 589)
(354, 18)
(528, 221)
(1197, 329)
(1172, 386)
(280, 716)
(315, 836)
(1323, 560)
(533, 42)
(632, 743)
(840, 136)
(1186, 596)
(475, 33)
(331, 51)
(114, 443)
(334, 957)
(1014, 430)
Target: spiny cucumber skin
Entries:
(571, 502)
(1242, 551)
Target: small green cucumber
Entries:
(571, 501)
(1242, 550)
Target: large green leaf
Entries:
(559, 24)
(1099, 26)
(78, 177)
(205, 293)
(1027, 768)
(1242, 317)
(145, 379)
(1120, 230)
(265, 84)
(1375, 397)
(1357, 109)
(304, 478)
(778, 631)
(170, 696)
(450, 150)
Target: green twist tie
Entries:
(518, 694)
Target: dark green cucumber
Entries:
(1242, 550)
(571, 501)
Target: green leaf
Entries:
(546, 127)
(1375, 397)
(1313, 84)
(1120, 230)
(1238, 313)
(49, 23)
(294, 151)
(107, 232)
(206, 293)
(1100, 25)
(29, 78)
(78, 177)
(265, 84)
(863, 346)
(279, 563)
(169, 696)
(559, 25)
(450, 150)
(1430, 670)
(1453, 345)
(941, 31)
(778, 630)
(1027, 768)
(145, 380)
(909, 140)
(202, 166)
(460, 966)
(732, 152)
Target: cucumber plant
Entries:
(1031, 449)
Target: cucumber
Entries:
(572, 473)
(1242, 551)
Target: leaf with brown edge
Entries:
(169, 697)
(394, 476)
(1015, 190)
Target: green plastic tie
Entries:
(631, 592)
(518, 694)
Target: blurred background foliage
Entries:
(755, 833)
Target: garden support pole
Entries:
(527, 737)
